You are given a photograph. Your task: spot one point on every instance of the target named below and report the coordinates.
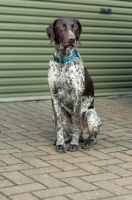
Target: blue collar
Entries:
(67, 59)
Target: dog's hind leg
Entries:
(84, 128)
(94, 125)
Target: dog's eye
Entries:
(74, 27)
(63, 27)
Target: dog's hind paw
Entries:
(73, 147)
(88, 143)
(60, 148)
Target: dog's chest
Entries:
(66, 80)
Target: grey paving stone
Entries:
(31, 168)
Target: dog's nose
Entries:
(71, 39)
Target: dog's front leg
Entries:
(74, 145)
(60, 144)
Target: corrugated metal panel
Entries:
(25, 51)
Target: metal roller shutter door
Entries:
(25, 51)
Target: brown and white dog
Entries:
(71, 88)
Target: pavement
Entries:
(30, 169)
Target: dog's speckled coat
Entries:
(74, 113)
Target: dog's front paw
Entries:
(60, 148)
(88, 143)
(73, 147)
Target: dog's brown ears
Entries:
(80, 31)
(50, 31)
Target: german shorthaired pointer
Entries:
(71, 88)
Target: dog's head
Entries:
(65, 31)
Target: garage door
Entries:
(106, 46)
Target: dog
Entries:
(72, 89)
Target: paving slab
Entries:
(31, 169)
